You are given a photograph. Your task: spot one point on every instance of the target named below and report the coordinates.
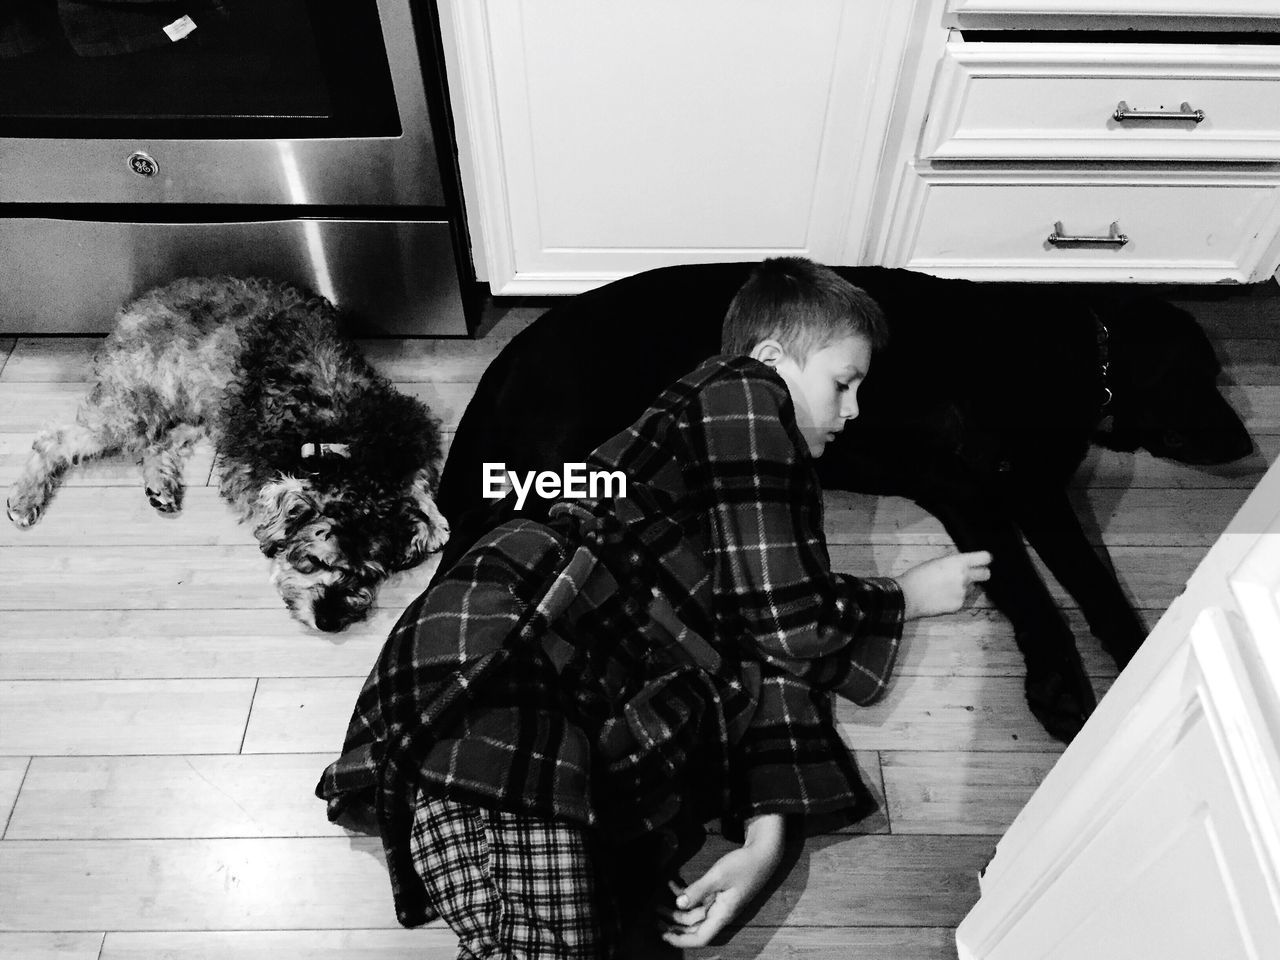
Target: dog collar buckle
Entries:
(322, 450)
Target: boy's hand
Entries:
(707, 905)
(941, 586)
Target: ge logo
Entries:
(143, 164)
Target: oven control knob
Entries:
(143, 164)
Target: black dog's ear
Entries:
(1166, 393)
(1153, 342)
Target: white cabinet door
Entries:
(1157, 835)
(599, 139)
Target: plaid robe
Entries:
(641, 664)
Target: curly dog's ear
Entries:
(392, 434)
(281, 504)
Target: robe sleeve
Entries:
(771, 569)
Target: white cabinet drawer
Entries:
(1059, 101)
(997, 223)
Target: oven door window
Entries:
(201, 69)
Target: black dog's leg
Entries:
(1053, 529)
(1058, 691)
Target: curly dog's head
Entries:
(331, 546)
(331, 463)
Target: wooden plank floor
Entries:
(163, 721)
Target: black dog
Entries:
(980, 409)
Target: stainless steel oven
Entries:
(301, 139)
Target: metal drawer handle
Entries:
(1183, 113)
(1116, 238)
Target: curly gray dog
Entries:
(335, 468)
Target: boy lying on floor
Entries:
(549, 726)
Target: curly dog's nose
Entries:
(337, 608)
(328, 622)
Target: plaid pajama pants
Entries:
(511, 885)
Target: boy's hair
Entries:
(803, 305)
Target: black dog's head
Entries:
(1164, 378)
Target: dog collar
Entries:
(1104, 362)
(310, 450)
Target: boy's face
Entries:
(824, 389)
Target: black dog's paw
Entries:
(1123, 641)
(1060, 696)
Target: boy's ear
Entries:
(768, 352)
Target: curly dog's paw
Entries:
(437, 535)
(23, 511)
(429, 536)
(165, 500)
